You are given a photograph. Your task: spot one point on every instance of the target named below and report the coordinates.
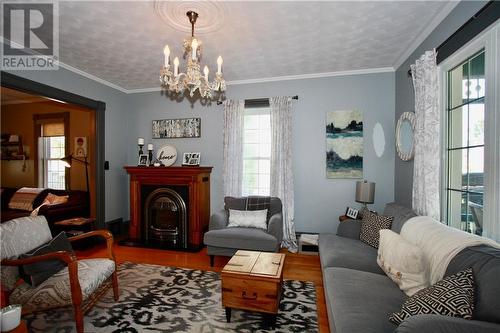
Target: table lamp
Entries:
(365, 192)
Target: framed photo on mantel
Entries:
(191, 159)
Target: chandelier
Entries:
(192, 80)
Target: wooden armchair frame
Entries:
(72, 262)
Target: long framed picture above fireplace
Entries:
(177, 128)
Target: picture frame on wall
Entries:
(191, 159)
(177, 128)
(80, 146)
(344, 144)
(143, 160)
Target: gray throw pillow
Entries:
(38, 272)
(452, 296)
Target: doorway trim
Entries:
(19, 83)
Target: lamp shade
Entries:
(365, 192)
(67, 160)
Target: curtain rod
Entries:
(491, 14)
(259, 100)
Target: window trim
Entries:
(489, 40)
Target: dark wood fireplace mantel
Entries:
(197, 179)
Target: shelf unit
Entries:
(12, 150)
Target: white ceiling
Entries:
(122, 42)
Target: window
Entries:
(257, 151)
(465, 144)
(52, 146)
(471, 127)
(54, 169)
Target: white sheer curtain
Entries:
(426, 167)
(281, 165)
(232, 171)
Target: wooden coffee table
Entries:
(253, 281)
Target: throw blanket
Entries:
(24, 197)
(439, 243)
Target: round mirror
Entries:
(378, 140)
(404, 136)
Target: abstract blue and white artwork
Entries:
(344, 144)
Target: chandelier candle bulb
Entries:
(194, 47)
(219, 65)
(205, 71)
(166, 52)
(176, 66)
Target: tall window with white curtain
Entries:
(256, 151)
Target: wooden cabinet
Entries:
(196, 179)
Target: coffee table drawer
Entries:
(256, 295)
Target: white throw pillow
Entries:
(402, 261)
(248, 218)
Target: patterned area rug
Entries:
(165, 299)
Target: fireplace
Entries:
(169, 206)
(165, 218)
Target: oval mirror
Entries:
(378, 140)
(404, 136)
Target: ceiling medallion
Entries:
(173, 13)
(192, 80)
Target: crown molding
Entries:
(428, 29)
(314, 75)
(92, 77)
(287, 78)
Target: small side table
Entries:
(343, 218)
(308, 244)
(77, 226)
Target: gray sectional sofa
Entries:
(360, 297)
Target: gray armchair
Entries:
(224, 241)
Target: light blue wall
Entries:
(405, 98)
(318, 200)
(116, 127)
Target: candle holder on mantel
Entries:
(140, 143)
(150, 154)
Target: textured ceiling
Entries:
(122, 41)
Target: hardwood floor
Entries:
(297, 267)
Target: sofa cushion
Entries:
(402, 262)
(485, 263)
(401, 215)
(336, 251)
(371, 226)
(38, 272)
(360, 301)
(248, 219)
(452, 296)
(56, 290)
(241, 238)
(14, 242)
